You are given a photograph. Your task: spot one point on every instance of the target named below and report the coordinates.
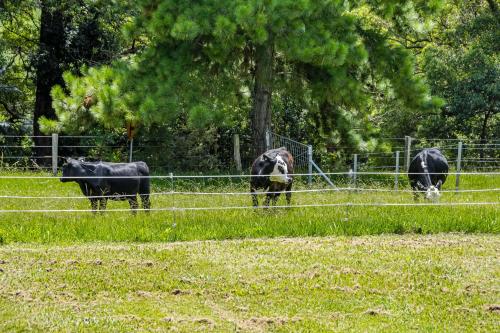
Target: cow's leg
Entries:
(93, 204)
(144, 191)
(102, 204)
(416, 191)
(145, 202)
(275, 191)
(133, 204)
(439, 184)
(268, 199)
(255, 201)
(275, 198)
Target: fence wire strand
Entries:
(220, 208)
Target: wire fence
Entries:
(182, 196)
(300, 152)
(20, 153)
(364, 173)
(174, 209)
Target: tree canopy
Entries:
(333, 73)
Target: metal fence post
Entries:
(396, 183)
(55, 144)
(172, 193)
(355, 170)
(309, 164)
(131, 149)
(407, 151)
(459, 166)
(268, 140)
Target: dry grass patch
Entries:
(444, 282)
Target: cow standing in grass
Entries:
(95, 184)
(271, 172)
(427, 173)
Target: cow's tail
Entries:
(144, 184)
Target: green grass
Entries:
(179, 225)
(115, 272)
(391, 283)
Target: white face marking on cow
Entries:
(432, 194)
(280, 171)
(423, 165)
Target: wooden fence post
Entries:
(396, 180)
(236, 152)
(55, 144)
(355, 170)
(407, 151)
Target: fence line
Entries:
(303, 153)
(345, 173)
(338, 189)
(174, 209)
(348, 173)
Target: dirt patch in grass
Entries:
(495, 308)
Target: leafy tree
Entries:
(18, 43)
(464, 68)
(60, 36)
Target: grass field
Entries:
(389, 268)
(391, 283)
(64, 227)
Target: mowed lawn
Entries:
(391, 283)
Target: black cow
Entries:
(270, 172)
(99, 188)
(427, 173)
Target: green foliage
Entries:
(99, 84)
(457, 55)
(341, 75)
(200, 61)
(464, 68)
(18, 43)
(89, 30)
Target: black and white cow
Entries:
(427, 173)
(91, 176)
(271, 172)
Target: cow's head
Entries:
(279, 173)
(72, 168)
(432, 193)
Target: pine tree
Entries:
(204, 54)
(212, 59)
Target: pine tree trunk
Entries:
(48, 73)
(262, 93)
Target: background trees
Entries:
(44, 39)
(18, 43)
(336, 74)
(463, 66)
